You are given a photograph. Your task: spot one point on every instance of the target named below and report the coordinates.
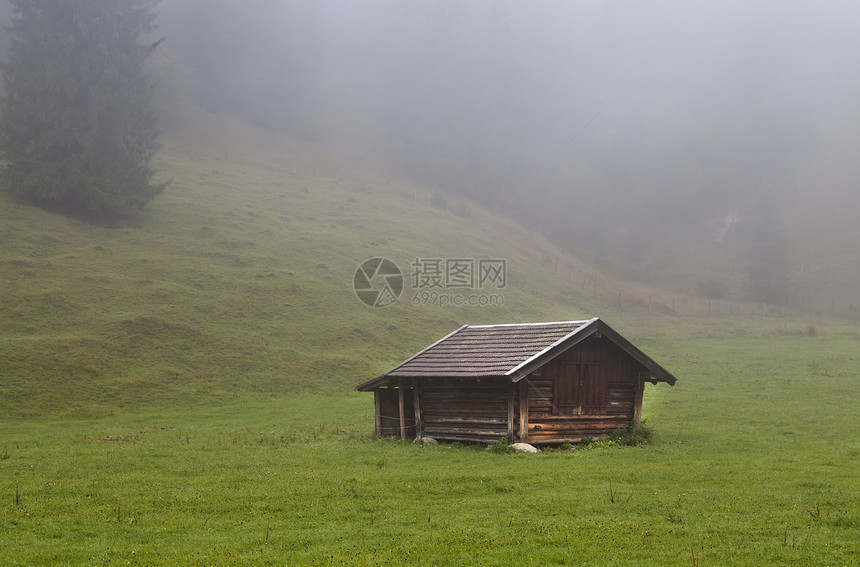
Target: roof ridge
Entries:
(582, 321)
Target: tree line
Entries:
(77, 130)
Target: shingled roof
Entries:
(511, 350)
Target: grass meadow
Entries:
(177, 390)
(754, 462)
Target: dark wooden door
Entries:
(566, 396)
(579, 389)
(592, 388)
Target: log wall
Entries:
(600, 412)
(465, 410)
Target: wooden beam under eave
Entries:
(402, 410)
(524, 412)
(419, 423)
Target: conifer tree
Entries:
(77, 131)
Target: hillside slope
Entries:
(239, 281)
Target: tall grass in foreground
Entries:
(754, 462)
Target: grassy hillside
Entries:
(239, 280)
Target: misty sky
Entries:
(632, 117)
(763, 77)
(664, 73)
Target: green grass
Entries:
(754, 462)
(238, 282)
(178, 390)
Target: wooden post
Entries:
(377, 418)
(419, 424)
(402, 411)
(510, 412)
(524, 411)
(637, 401)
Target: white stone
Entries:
(524, 448)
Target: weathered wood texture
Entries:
(587, 392)
(522, 411)
(388, 413)
(540, 383)
(416, 398)
(457, 410)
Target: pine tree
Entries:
(77, 131)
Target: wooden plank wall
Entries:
(618, 376)
(465, 410)
(387, 406)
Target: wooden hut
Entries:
(538, 383)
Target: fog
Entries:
(622, 129)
